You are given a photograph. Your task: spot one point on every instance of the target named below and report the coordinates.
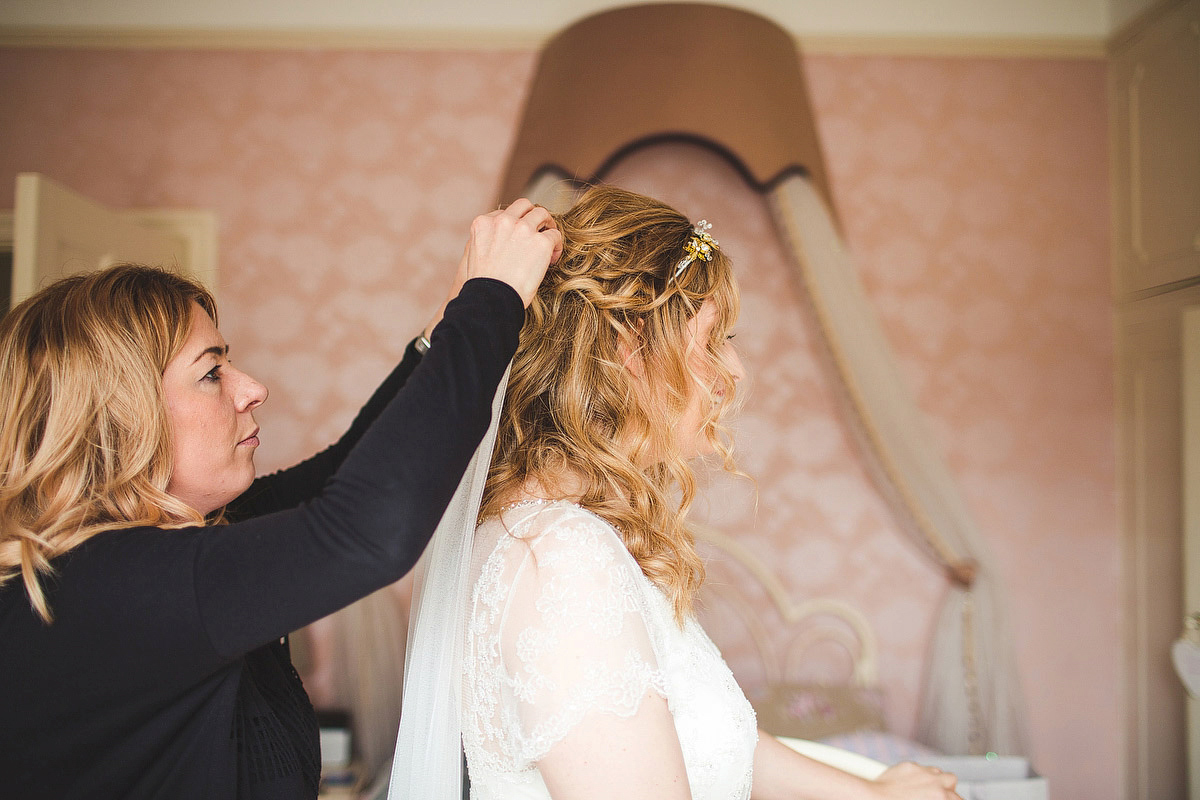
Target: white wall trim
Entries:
(1056, 47)
(265, 39)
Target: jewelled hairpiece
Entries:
(700, 247)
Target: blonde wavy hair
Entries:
(85, 445)
(574, 405)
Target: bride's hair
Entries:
(602, 378)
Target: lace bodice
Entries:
(563, 624)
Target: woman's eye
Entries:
(729, 338)
(213, 374)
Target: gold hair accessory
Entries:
(700, 247)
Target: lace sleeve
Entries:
(560, 629)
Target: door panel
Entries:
(1191, 517)
(57, 232)
(1155, 102)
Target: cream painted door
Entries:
(1150, 423)
(1191, 531)
(1154, 73)
(57, 231)
(1155, 129)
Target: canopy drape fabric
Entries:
(971, 698)
(733, 80)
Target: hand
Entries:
(514, 245)
(471, 257)
(912, 782)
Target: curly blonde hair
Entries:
(575, 407)
(85, 445)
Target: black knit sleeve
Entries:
(288, 488)
(258, 579)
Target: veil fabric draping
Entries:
(427, 764)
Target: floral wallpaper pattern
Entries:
(973, 193)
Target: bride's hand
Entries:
(908, 781)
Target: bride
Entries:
(584, 671)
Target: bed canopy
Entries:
(733, 81)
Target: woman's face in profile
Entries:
(692, 441)
(210, 406)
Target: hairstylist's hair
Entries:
(602, 377)
(84, 440)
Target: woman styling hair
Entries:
(586, 674)
(144, 646)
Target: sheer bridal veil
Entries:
(427, 764)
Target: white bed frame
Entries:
(810, 627)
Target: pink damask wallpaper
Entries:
(973, 193)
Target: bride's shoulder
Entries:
(563, 528)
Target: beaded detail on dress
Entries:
(553, 581)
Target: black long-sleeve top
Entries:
(164, 673)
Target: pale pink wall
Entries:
(976, 196)
(974, 193)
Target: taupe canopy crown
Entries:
(619, 79)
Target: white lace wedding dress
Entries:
(563, 624)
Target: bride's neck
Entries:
(568, 485)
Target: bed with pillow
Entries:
(818, 678)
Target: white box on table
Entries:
(996, 778)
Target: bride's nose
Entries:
(736, 367)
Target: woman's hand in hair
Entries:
(472, 256)
(515, 245)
